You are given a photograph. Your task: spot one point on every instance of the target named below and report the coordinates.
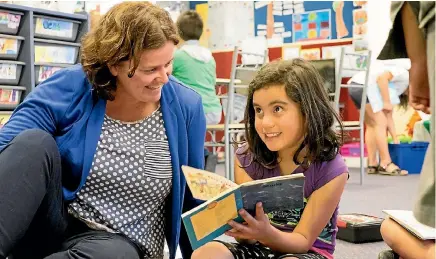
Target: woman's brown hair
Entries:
(304, 86)
(122, 34)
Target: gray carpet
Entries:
(377, 193)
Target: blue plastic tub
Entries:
(409, 156)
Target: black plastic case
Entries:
(359, 228)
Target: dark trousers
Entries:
(33, 219)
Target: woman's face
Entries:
(152, 73)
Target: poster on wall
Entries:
(360, 29)
(290, 53)
(350, 61)
(226, 33)
(273, 20)
(341, 28)
(314, 25)
(310, 54)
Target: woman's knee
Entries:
(35, 140)
(212, 250)
(102, 246)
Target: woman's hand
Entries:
(258, 228)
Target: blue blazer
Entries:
(66, 107)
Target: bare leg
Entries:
(380, 137)
(370, 133)
(391, 126)
(405, 244)
(212, 250)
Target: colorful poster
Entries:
(273, 20)
(360, 30)
(315, 25)
(310, 54)
(56, 28)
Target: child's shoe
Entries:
(388, 254)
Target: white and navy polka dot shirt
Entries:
(130, 179)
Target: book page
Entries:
(276, 193)
(206, 185)
(406, 219)
(214, 216)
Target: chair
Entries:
(354, 125)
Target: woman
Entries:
(391, 77)
(91, 159)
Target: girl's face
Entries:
(278, 120)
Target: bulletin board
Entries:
(276, 19)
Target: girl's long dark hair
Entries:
(304, 86)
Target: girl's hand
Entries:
(387, 107)
(246, 241)
(258, 228)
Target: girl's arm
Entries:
(383, 84)
(240, 175)
(316, 215)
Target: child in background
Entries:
(195, 66)
(289, 130)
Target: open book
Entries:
(224, 199)
(406, 219)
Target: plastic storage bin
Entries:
(352, 150)
(55, 28)
(10, 21)
(409, 157)
(50, 51)
(10, 46)
(44, 71)
(4, 117)
(10, 96)
(10, 72)
(359, 228)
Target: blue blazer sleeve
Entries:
(196, 137)
(43, 108)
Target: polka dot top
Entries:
(129, 181)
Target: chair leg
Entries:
(362, 154)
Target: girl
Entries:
(384, 74)
(289, 130)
